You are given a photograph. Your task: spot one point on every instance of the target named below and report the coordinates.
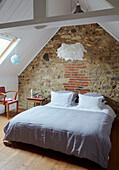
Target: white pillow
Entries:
(61, 99)
(94, 94)
(66, 91)
(90, 102)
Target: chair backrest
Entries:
(2, 89)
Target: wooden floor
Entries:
(28, 157)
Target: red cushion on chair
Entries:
(1, 100)
(9, 101)
(6, 101)
(2, 90)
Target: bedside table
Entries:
(35, 100)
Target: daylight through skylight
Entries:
(3, 45)
(7, 44)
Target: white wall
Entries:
(10, 83)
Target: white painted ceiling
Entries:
(33, 40)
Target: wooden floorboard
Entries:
(21, 156)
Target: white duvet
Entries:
(85, 134)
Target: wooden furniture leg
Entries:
(7, 111)
(27, 104)
(40, 102)
(5, 108)
(17, 107)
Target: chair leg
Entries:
(5, 108)
(7, 111)
(17, 107)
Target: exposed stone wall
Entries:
(98, 72)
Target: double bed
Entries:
(72, 130)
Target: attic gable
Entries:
(33, 40)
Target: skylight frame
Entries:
(14, 41)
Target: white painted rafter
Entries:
(39, 9)
(67, 20)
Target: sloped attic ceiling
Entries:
(93, 5)
(33, 40)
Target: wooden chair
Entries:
(5, 102)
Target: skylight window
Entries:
(7, 44)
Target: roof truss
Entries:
(40, 20)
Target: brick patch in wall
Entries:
(76, 81)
